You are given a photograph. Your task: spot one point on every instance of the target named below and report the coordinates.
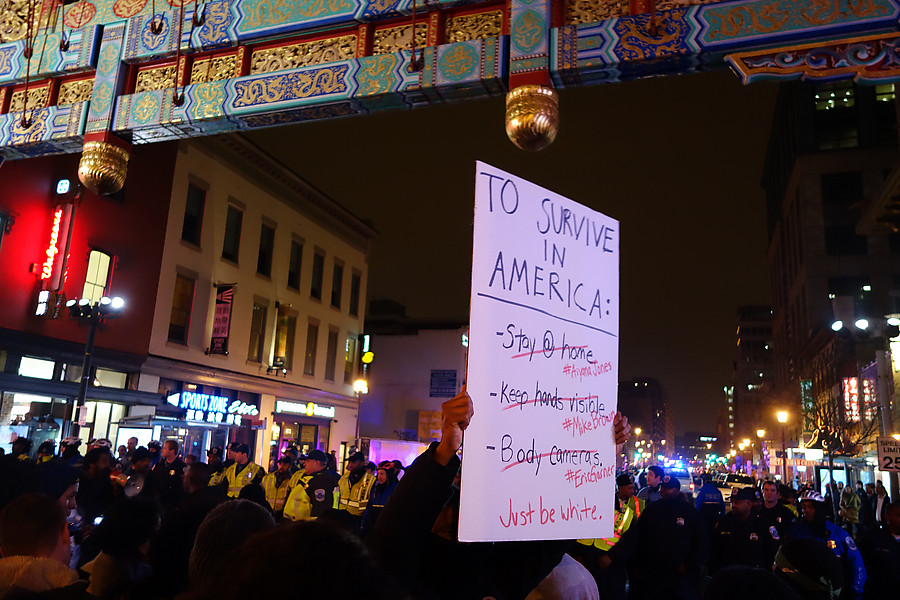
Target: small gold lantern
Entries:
(103, 167)
(532, 116)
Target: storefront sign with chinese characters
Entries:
(212, 409)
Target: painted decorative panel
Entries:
(108, 79)
(53, 130)
(465, 28)
(214, 69)
(303, 54)
(37, 98)
(591, 11)
(75, 91)
(394, 39)
(529, 33)
(48, 59)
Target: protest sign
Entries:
(539, 455)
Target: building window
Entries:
(835, 116)
(331, 354)
(312, 340)
(285, 329)
(181, 309)
(842, 193)
(349, 357)
(232, 233)
(266, 247)
(193, 214)
(257, 332)
(96, 280)
(337, 284)
(355, 284)
(295, 264)
(318, 274)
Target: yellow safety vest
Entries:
(298, 507)
(235, 483)
(622, 523)
(355, 498)
(276, 495)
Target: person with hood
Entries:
(814, 525)
(385, 482)
(34, 544)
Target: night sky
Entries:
(676, 160)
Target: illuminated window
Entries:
(349, 357)
(285, 330)
(257, 332)
(97, 278)
(312, 340)
(182, 300)
(331, 354)
(884, 92)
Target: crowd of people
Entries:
(150, 523)
(772, 539)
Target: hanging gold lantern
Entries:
(103, 167)
(532, 116)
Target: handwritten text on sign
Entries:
(543, 364)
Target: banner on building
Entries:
(542, 368)
(221, 320)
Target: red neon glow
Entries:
(851, 399)
(52, 249)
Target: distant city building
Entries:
(751, 400)
(244, 293)
(645, 403)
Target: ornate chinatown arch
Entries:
(98, 76)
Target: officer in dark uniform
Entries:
(776, 518)
(740, 536)
(672, 547)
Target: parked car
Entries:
(684, 478)
(735, 481)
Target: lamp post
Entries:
(360, 386)
(761, 434)
(782, 418)
(94, 315)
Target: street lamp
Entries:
(94, 315)
(782, 417)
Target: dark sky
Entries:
(676, 160)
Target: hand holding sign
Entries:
(455, 416)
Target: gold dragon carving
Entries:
(304, 54)
(393, 39)
(160, 78)
(465, 28)
(71, 92)
(213, 69)
(37, 98)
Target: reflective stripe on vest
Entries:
(276, 495)
(236, 483)
(298, 506)
(622, 523)
(354, 498)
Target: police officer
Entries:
(277, 485)
(607, 558)
(214, 460)
(740, 536)
(243, 471)
(672, 547)
(355, 486)
(710, 504)
(814, 525)
(314, 492)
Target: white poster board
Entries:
(539, 454)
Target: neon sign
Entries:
(851, 399)
(212, 409)
(53, 248)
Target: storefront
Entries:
(202, 416)
(306, 425)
